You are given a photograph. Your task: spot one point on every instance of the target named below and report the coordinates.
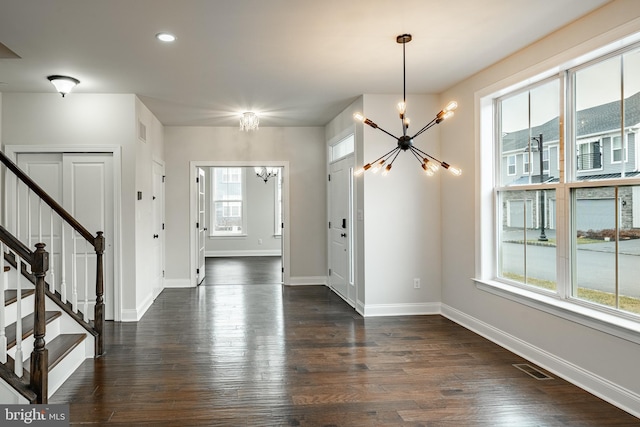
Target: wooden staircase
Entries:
(44, 337)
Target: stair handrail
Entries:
(96, 241)
(38, 260)
(47, 199)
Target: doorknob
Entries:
(155, 236)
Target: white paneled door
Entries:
(83, 184)
(200, 222)
(158, 228)
(340, 228)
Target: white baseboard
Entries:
(220, 254)
(177, 283)
(408, 309)
(594, 384)
(307, 280)
(134, 315)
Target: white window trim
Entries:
(277, 205)
(624, 148)
(514, 164)
(488, 157)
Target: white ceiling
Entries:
(296, 62)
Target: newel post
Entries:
(39, 356)
(98, 317)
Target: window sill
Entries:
(227, 236)
(620, 327)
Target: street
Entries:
(595, 264)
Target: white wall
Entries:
(399, 237)
(302, 147)
(600, 362)
(259, 238)
(146, 152)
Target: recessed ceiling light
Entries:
(165, 37)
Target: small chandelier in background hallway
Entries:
(405, 143)
(249, 121)
(265, 173)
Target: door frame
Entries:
(12, 152)
(193, 236)
(352, 287)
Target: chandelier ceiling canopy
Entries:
(405, 142)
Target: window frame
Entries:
(560, 303)
(243, 200)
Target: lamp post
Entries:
(543, 236)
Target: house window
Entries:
(588, 260)
(589, 155)
(511, 165)
(617, 150)
(228, 202)
(525, 163)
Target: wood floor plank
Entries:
(299, 356)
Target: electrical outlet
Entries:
(416, 283)
(259, 241)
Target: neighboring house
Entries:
(601, 154)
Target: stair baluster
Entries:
(3, 286)
(17, 366)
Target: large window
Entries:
(228, 196)
(568, 226)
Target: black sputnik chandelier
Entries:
(405, 143)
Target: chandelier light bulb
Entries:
(359, 117)
(451, 106)
(456, 171)
(386, 170)
(402, 108)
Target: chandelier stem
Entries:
(404, 75)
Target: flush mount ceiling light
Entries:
(63, 84)
(166, 37)
(249, 121)
(405, 143)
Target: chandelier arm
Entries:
(426, 154)
(426, 127)
(394, 157)
(415, 152)
(385, 156)
(388, 133)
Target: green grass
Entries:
(552, 241)
(628, 304)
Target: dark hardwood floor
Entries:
(258, 270)
(299, 356)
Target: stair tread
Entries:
(10, 295)
(59, 347)
(27, 326)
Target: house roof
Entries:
(598, 120)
